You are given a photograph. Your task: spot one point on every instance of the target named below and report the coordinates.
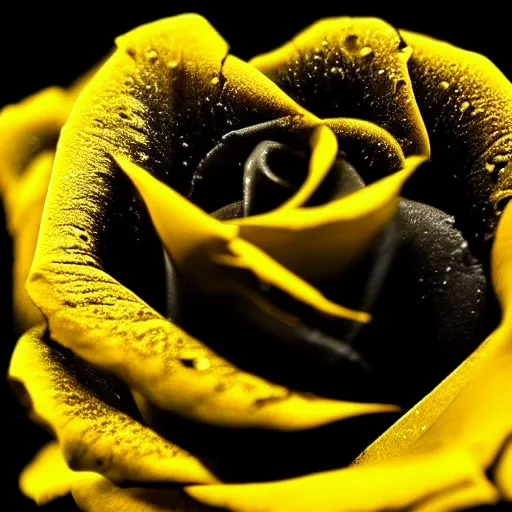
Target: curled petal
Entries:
(24, 219)
(325, 239)
(351, 67)
(207, 242)
(93, 435)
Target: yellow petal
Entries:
(373, 151)
(93, 435)
(411, 483)
(101, 495)
(26, 129)
(48, 477)
(351, 67)
(199, 242)
(324, 150)
(22, 125)
(321, 241)
(35, 483)
(24, 221)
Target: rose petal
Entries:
(205, 242)
(103, 496)
(24, 219)
(93, 435)
(412, 483)
(93, 492)
(35, 483)
(471, 407)
(466, 103)
(321, 241)
(324, 150)
(24, 177)
(372, 150)
(351, 67)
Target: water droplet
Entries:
(172, 64)
(352, 43)
(365, 51)
(380, 72)
(465, 105)
(400, 85)
(334, 70)
(185, 163)
(490, 166)
(184, 144)
(444, 85)
(151, 55)
(324, 43)
(445, 281)
(202, 363)
(448, 268)
(420, 280)
(423, 428)
(215, 80)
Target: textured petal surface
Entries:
(93, 435)
(351, 67)
(466, 102)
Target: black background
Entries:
(46, 45)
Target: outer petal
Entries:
(466, 103)
(181, 59)
(93, 492)
(93, 435)
(25, 128)
(24, 219)
(28, 137)
(412, 483)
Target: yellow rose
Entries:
(246, 157)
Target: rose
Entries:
(69, 273)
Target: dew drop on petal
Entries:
(365, 51)
(151, 55)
